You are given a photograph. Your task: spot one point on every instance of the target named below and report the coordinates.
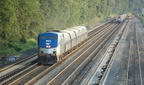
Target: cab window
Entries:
(43, 37)
(53, 37)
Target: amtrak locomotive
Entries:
(53, 46)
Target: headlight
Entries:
(48, 46)
(54, 52)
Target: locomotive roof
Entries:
(51, 33)
(68, 30)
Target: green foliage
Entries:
(142, 19)
(16, 47)
(23, 20)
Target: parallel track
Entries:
(6, 68)
(100, 68)
(7, 73)
(64, 78)
(134, 64)
(101, 80)
(55, 65)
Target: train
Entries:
(121, 18)
(54, 45)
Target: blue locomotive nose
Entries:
(47, 42)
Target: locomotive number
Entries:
(48, 40)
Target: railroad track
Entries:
(31, 74)
(134, 64)
(11, 77)
(63, 66)
(76, 66)
(106, 68)
(4, 69)
(89, 66)
(11, 70)
(94, 76)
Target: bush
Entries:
(15, 45)
(13, 48)
(9, 51)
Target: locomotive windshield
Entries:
(48, 37)
(43, 37)
(53, 37)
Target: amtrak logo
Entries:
(47, 43)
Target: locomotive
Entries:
(53, 46)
